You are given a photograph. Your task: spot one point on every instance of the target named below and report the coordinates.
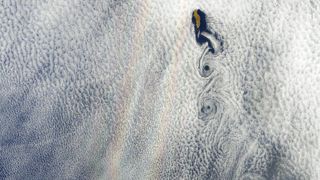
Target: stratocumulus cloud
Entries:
(145, 90)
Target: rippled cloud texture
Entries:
(108, 89)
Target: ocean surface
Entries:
(121, 89)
